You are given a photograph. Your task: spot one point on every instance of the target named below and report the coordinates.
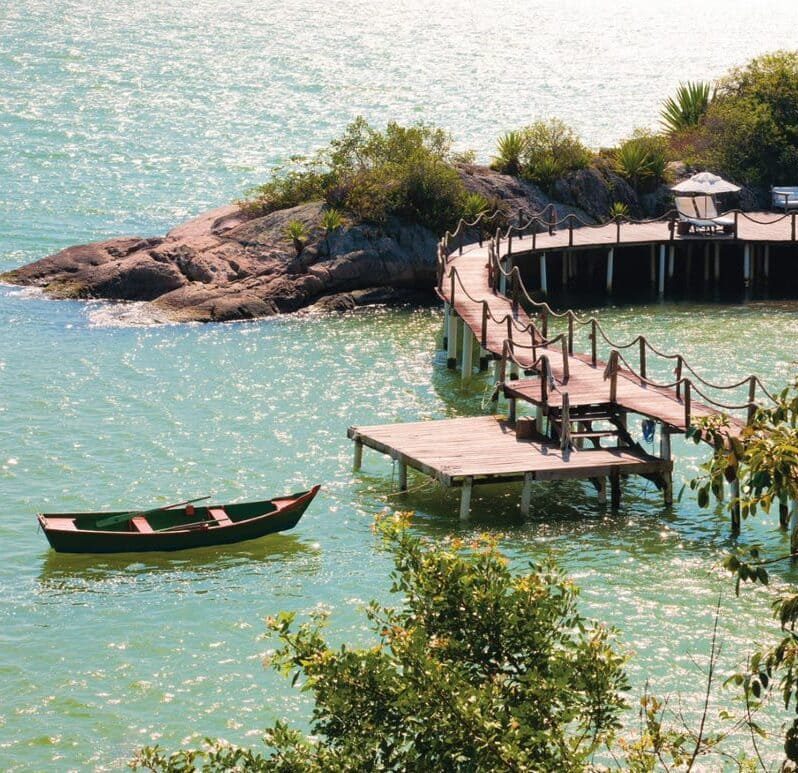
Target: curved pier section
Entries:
(580, 401)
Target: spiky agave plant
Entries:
(509, 150)
(686, 108)
(474, 204)
(619, 211)
(297, 232)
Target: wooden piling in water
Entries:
(465, 499)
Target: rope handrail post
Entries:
(566, 369)
(452, 275)
(503, 363)
(544, 381)
(509, 241)
(751, 399)
(514, 275)
(736, 214)
(484, 335)
(533, 331)
(535, 235)
(593, 341)
(570, 231)
(460, 245)
(678, 373)
(509, 328)
(565, 422)
(793, 227)
(642, 359)
(520, 224)
(612, 366)
(552, 221)
(617, 229)
(570, 332)
(687, 396)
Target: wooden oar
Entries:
(193, 525)
(119, 517)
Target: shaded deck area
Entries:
(487, 449)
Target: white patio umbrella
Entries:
(705, 183)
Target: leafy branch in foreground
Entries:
(762, 462)
(477, 668)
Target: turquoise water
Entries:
(130, 120)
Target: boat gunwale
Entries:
(292, 500)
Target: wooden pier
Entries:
(580, 401)
(487, 449)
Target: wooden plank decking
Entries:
(585, 384)
(485, 448)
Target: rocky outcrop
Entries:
(595, 190)
(224, 266)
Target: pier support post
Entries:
(736, 514)
(601, 485)
(451, 340)
(484, 359)
(512, 416)
(653, 265)
(717, 262)
(526, 493)
(447, 310)
(402, 476)
(467, 362)
(747, 266)
(766, 263)
(615, 488)
(665, 453)
(465, 499)
(565, 269)
(706, 264)
(610, 261)
(497, 371)
(661, 288)
(544, 282)
(358, 463)
(671, 261)
(539, 419)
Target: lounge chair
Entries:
(784, 197)
(700, 213)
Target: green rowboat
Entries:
(173, 528)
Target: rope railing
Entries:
(520, 295)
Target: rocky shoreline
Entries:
(223, 265)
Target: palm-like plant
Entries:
(297, 232)
(509, 150)
(687, 107)
(619, 211)
(474, 204)
(331, 221)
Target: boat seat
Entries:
(63, 524)
(141, 524)
(219, 515)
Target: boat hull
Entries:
(284, 516)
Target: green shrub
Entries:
(750, 131)
(297, 232)
(686, 109)
(474, 204)
(619, 211)
(476, 669)
(509, 153)
(403, 171)
(642, 159)
(551, 150)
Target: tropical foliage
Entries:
(476, 669)
(686, 109)
(750, 130)
(642, 159)
(402, 171)
(541, 152)
(297, 232)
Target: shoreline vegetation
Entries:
(358, 221)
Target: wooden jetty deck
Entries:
(466, 451)
(581, 401)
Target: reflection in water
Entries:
(64, 570)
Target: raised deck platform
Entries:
(485, 449)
